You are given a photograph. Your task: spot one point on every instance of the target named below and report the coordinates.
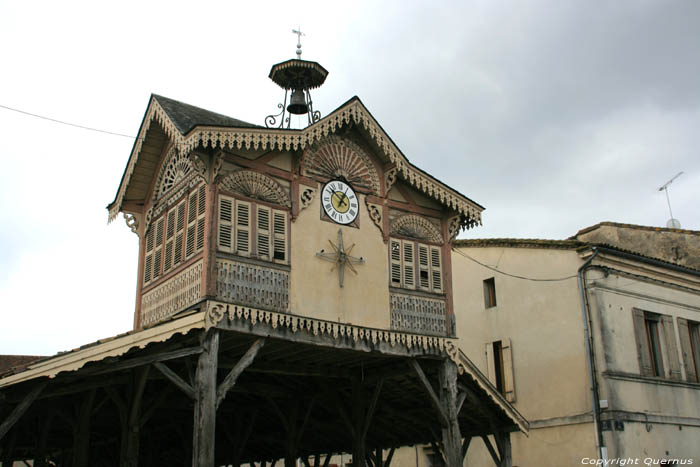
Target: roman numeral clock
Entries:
(340, 202)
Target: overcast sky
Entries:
(554, 115)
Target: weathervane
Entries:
(298, 76)
(341, 258)
(672, 223)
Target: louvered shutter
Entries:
(201, 211)
(169, 239)
(242, 228)
(263, 232)
(279, 225)
(671, 347)
(395, 262)
(508, 376)
(158, 252)
(226, 224)
(179, 233)
(435, 269)
(409, 271)
(687, 350)
(148, 262)
(423, 267)
(640, 334)
(191, 225)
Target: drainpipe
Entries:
(590, 357)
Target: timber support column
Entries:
(451, 437)
(204, 426)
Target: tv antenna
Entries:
(672, 223)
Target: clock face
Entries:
(340, 202)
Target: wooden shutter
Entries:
(179, 233)
(191, 225)
(671, 347)
(169, 239)
(687, 350)
(242, 228)
(226, 224)
(409, 268)
(148, 266)
(158, 251)
(423, 267)
(201, 211)
(279, 225)
(395, 262)
(435, 269)
(508, 375)
(640, 334)
(263, 233)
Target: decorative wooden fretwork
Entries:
(418, 314)
(132, 222)
(390, 178)
(252, 285)
(256, 185)
(334, 157)
(292, 140)
(375, 213)
(414, 226)
(306, 196)
(176, 168)
(172, 296)
(454, 225)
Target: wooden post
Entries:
(358, 421)
(81, 431)
(204, 426)
(22, 407)
(40, 456)
(506, 454)
(451, 438)
(131, 422)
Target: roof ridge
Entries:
(633, 226)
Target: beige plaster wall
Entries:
(314, 290)
(542, 319)
(663, 441)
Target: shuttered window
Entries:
(158, 249)
(499, 361)
(251, 229)
(407, 257)
(195, 221)
(175, 224)
(656, 345)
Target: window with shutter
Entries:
(280, 236)
(423, 268)
(201, 210)
(179, 233)
(395, 256)
(226, 224)
(263, 233)
(191, 225)
(158, 249)
(656, 345)
(499, 362)
(148, 262)
(435, 269)
(242, 228)
(408, 265)
(690, 348)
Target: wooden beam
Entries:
(442, 416)
(451, 437)
(233, 375)
(387, 462)
(506, 452)
(21, 408)
(489, 446)
(176, 380)
(81, 431)
(465, 447)
(460, 401)
(140, 361)
(372, 407)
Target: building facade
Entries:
(594, 339)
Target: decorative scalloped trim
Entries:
(335, 157)
(256, 185)
(412, 225)
(176, 168)
(239, 138)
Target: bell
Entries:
(297, 103)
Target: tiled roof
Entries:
(186, 116)
(16, 362)
(519, 243)
(634, 226)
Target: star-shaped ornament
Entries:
(341, 257)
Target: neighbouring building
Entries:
(294, 301)
(594, 339)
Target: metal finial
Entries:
(299, 34)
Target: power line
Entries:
(513, 275)
(67, 123)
